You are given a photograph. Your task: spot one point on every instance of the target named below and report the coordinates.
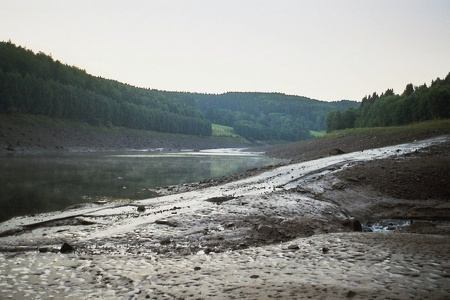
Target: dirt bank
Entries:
(27, 136)
(321, 147)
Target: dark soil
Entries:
(423, 175)
(17, 137)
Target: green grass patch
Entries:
(317, 133)
(223, 131)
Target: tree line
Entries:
(415, 104)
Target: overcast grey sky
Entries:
(322, 49)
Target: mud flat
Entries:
(292, 232)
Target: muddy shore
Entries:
(289, 232)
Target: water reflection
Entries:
(39, 183)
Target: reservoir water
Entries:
(47, 182)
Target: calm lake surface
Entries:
(47, 182)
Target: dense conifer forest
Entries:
(415, 104)
(35, 83)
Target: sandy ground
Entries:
(356, 266)
(287, 233)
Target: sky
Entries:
(322, 49)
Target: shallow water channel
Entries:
(47, 182)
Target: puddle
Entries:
(386, 225)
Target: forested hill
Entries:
(35, 83)
(415, 104)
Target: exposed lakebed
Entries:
(282, 233)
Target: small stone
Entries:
(141, 208)
(166, 222)
(197, 268)
(293, 247)
(66, 248)
(44, 249)
(265, 229)
(254, 276)
(165, 241)
(336, 151)
(351, 294)
(325, 250)
(337, 185)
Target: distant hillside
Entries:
(35, 83)
(265, 116)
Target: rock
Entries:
(165, 241)
(44, 249)
(356, 225)
(166, 222)
(254, 276)
(66, 248)
(336, 151)
(83, 221)
(293, 247)
(353, 179)
(229, 225)
(351, 294)
(325, 250)
(265, 229)
(100, 202)
(337, 185)
(141, 208)
(220, 200)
